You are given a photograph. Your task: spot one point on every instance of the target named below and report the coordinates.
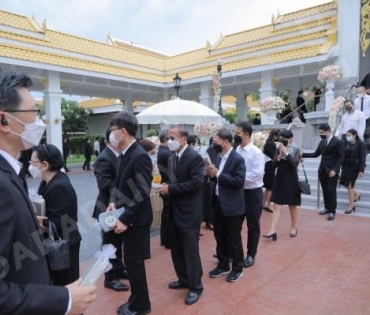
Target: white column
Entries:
(348, 38)
(329, 95)
(53, 111)
(205, 97)
(240, 104)
(266, 90)
(129, 103)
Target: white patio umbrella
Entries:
(178, 112)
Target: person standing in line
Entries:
(164, 154)
(60, 203)
(284, 191)
(362, 103)
(269, 149)
(228, 207)
(257, 120)
(253, 194)
(87, 153)
(25, 282)
(133, 187)
(184, 188)
(331, 150)
(353, 166)
(66, 151)
(352, 119)
(105, 171)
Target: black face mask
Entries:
(217, 147)
(323, 137)
(238, 139)
(284, 142)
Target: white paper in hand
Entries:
(108, 220)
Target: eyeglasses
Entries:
(22, 111)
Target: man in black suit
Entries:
(65, 153)
(332, 154)
(184, 188)
(228, 206)
(162, 161)
(25, 278)
(105, 171)
(134, 178)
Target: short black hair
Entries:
(246, 127)
(300, 92)
(273, 133)
(107, 134)
(9, 82)
(125, 120)
(286, 134)
(324, 126)
(192, 139)
(182, 130)
(51, 154)
(163, 136)
(225, 134)
(349, 101)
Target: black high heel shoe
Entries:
(349, 211)
(273, 236)
(358, 198)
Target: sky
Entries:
(167, 26)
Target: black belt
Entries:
(251, 189)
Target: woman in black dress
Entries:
(285, 187)
(269, 149)
(352, 167)
(60, 203)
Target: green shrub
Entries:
(151, 133)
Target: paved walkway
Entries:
(325, 270)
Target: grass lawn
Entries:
(74, 159)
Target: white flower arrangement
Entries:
(333, 113)
(216, 82)
(206, 130)
(259, 139)
(272, 103)
(338, 103)
(331, 72)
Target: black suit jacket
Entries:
(185, 189)
(162, 161)
(332, 155)
(231, 186)
(61, 206)
(24, 286)
(134, 183)
(356, 158)
(105, 171)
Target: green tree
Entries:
(75, 116)
(230, 117)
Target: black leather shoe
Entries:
(116, 285)
(248, 262)
(122, 274)
(124, 310)
(331, 216)
(192, 298)
(174, 285)
(324, 211)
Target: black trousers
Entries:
(253, 208)
(329, 190)
(164, 230)
(133, 244)
(117, 263)
(184, 244)
(87, 162)
(227, 231)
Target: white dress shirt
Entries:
(355, 120)
(255, 165)
(221, 166)
(97, 146)
(12, 161)
(179, 155)
(366, 105)
(125, 150)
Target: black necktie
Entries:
(326, 142)
(175, 162)
(362, 104)
(24, 182)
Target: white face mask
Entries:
(349, 138)
(173, 145)
(34, 171)
(360, 95)
(113, 141)
(32, 133)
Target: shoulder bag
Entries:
(303, 185)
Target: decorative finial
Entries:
(44, 26)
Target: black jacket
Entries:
(356, 158)
(25, 289)
(185, 189)
(332, 155)
(134, 180)
(162, 161)
(105, 171)
(61, 206)
(88, 151)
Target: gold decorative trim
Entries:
(365, 26)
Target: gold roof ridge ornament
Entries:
(44, 26)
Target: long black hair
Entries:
(273, 133)
(354, 133)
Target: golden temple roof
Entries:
(287, 38)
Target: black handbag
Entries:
(56, 249)
(303, 185)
